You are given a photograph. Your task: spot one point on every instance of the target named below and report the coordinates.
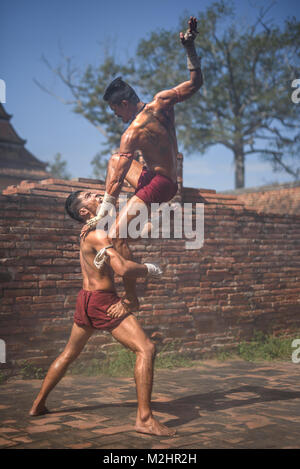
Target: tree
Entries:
(245, 103)
(99, 165)
(58, 167)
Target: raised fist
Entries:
(189, 37)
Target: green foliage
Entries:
(29, 371)
(121, 362)
(58, 167)
(88, 93)
(169, 357)
(261, 347)
(99, 164)
(117, 363)
(245, 102)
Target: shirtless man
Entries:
(151, 131)
(99, 307)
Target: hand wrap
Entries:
(107, 202)
(154, 271)
(193, 60)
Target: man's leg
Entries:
(130, 334)
(78, 338)
(123, 219)
(122, 223)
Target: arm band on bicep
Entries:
(178, 95)
(101, 257)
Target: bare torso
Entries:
(92, 278)
(154, 129)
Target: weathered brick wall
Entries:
(278, 198)
(246, 277)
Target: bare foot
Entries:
(39, 409)
(153, 427)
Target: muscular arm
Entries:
(188, 88)
(181, 92)
(116, 175)
(121, 266)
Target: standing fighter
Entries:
(98, 307)
(151, 131)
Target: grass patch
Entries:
(29, 371)
(265, 347)
(2, 377)
(121, 362)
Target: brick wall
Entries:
(246, 277)
(277, 198)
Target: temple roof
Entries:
(3, 113)
(13, 153)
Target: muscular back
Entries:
(154, 132)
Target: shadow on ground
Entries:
(188, 408)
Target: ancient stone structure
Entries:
(275, 198)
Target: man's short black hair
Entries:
(72, 205)
(119, 90)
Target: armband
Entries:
(178, 95)
(101, 257)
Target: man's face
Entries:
(90, 200)
(122, 110)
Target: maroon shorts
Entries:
(91, 309)
(153, 187)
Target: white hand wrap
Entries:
(107, 202)
(101, 257)
(154, 271)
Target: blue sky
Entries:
(32, 28)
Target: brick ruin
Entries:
(275, 198)
(245, 277)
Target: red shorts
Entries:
(153, 187)
(91, 309)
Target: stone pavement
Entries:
(232, 404)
